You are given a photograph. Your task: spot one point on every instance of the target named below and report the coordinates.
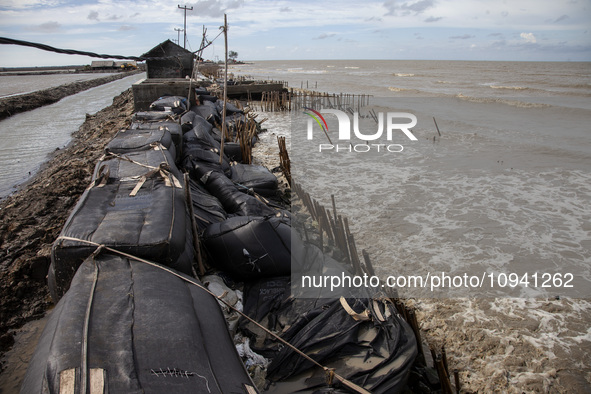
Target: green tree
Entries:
(233, 55)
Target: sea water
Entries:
(27, 138)
(501, 192)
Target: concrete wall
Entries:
(146, 91)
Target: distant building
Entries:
(112, 65)
(178, 64)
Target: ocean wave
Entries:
(395, 89)
(403, 75)
(508, 87)
(514, 103)
(355, 68)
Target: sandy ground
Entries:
(32, 218)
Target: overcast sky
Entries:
(537, 30)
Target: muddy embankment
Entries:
(26, 102)
(32, 218)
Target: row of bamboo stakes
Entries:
(336, 228)
(285, 100)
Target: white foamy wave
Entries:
(352, 67)
(490, 100)
(507, 87)
(403, 75)
(395, 89)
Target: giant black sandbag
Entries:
(365, 340)
(232, 199)
(153, 223)
(175, 104)
(233, 151)
(132, 165)
(141, 139)
(250, 247)
(255, 177)
(206, 208)
(141, 330)
(200, 136)
(207, 112)
(230, 108)
(199, 160)
(174, 128)
(153, 116)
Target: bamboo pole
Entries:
(225, 27)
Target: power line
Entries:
(11, 41)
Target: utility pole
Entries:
(178, 36)
(185, 27)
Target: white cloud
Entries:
(528, 37)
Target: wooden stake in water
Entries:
(437, 127)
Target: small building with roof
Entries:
(177, 62)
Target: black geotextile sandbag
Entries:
(255, 177)
(153, 223)
(374, 349)
(206, 208)
(250, 247)
(207, 112)
(233, 151)
(206, 97)
(200, 136)
(174, 128)
(153, 116)
(230, 108)
(235, 121)
(232, 199)
(144, 330)
(201, 90)
(176, 104)
(133, 165)
(199, 160)
(191, 120)
(141, 139)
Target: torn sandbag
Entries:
(140, 139)
(174, 128)
(147, 218)
(131, 327)
(255, 177)
(375, 352)
(250, 247)
(232, 199)
(206, 208)
(176, 104)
